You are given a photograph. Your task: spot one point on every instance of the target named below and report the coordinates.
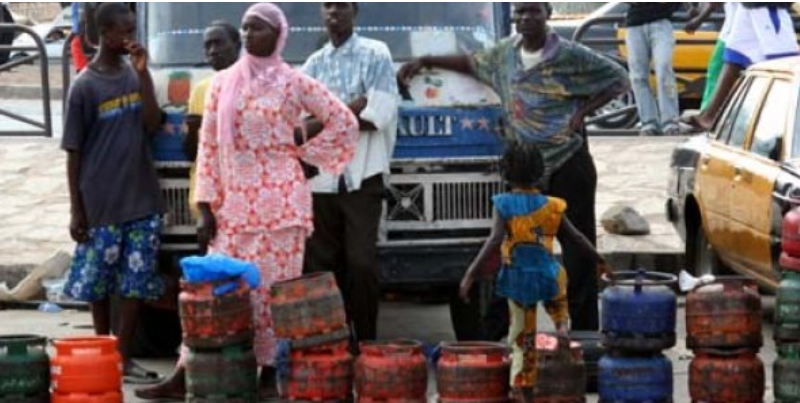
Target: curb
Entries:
(28, 92)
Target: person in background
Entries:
(253, 197)
(6, 38)
(716, 62)
(116, 202)
(649, 41)
(221, 44)
(348, 207)
(758, 32)
(548, 86)
(526, 223)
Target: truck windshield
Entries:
(174, 30)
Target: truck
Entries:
(437, 207)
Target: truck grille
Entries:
(441, 201)
(178, 220)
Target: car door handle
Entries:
(737, 174)
(704, 161)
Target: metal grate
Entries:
(436, 202)
(464, 201)
(178, 219)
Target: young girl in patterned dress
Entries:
(525, 225)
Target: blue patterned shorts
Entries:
(117, 259)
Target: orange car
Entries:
(730, 188)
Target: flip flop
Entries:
(136, 375)
(154, 394)
(693, 123)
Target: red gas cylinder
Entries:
(112, 397)
(391, 371)
(473, 373)
(724, 314)
(561, 371)
(717, 376)
(211, 321)
(320, 374)
(309, 311)
(83, 367)
(790, 235)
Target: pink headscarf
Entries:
(250, 67)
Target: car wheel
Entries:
(706, 261)
(626, 120)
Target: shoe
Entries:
(136, 375)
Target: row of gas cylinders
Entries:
(724, 329)
(786, 371)
(83, 370)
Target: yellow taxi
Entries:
(731, 187)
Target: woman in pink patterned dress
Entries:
(252, 193)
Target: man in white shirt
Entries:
(347, 208)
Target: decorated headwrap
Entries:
(250, 67)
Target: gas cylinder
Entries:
(473, 372)
(320, 374)
(561, 372)
(395, 370)
(24, 369)
(627, 378)
(215, 321)
(222, 375)
(639, 311)
(726, 376)
(725, 314)
(787, 308)
(309, 311)
(790, 235)
(86, 366)
(786, 373)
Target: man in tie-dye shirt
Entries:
(548, 86)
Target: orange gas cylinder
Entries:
(391, 371)
(724, 314)
(211, 321)
(309, 310)
(717, 376)
(561, 372)
(111, 397)
(790, 235)
(473, 373)
(319, 374)
(86, 366)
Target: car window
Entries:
(746, 113)
(768, 134)
(724, 123)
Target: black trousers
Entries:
(345, 243)
(576, 183)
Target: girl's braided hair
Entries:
(522, 165)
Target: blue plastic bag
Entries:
(202, 269)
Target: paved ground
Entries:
(427, 322)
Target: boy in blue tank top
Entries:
(526, 223)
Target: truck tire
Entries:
(626, 120)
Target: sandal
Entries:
(136, 375)
(694, 124)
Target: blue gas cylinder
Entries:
(635, 379)
(639, 311)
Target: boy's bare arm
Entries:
(151, 113)
(78, 227)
